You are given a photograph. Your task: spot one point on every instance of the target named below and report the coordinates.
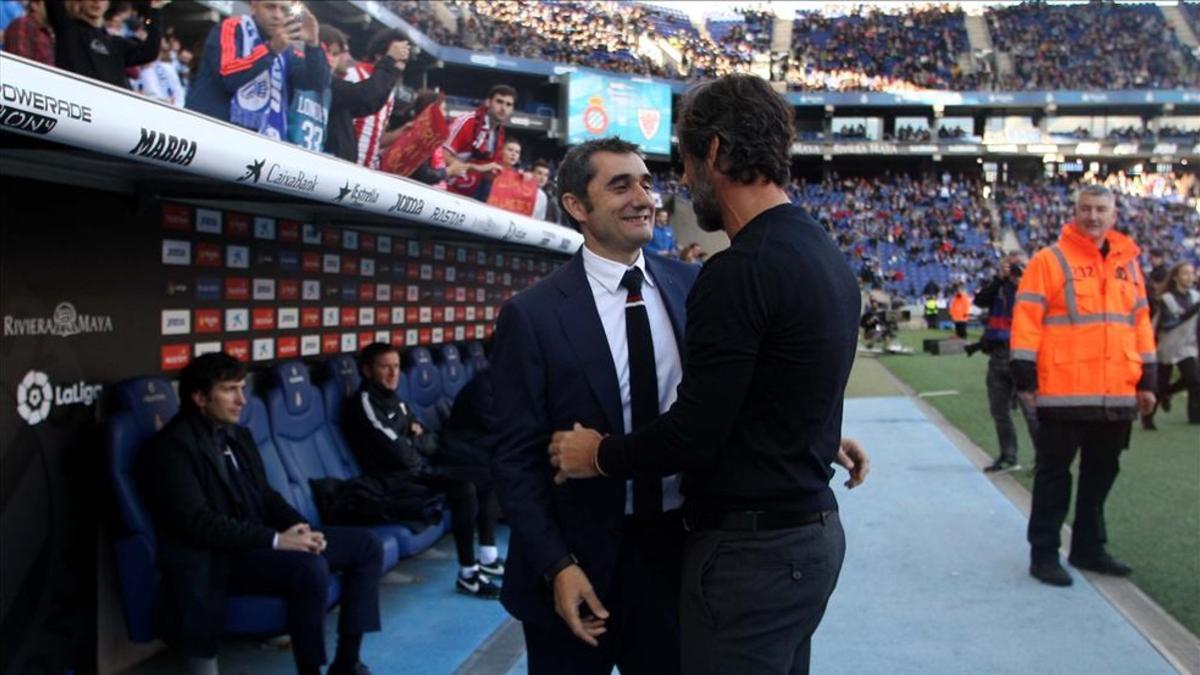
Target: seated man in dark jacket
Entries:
(222, 529)
(390, 444)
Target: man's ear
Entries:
(574, 206)
(714, 147)
(200, 399)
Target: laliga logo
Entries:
(35, 396)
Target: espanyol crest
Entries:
(648, 121)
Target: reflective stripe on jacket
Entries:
(1084, 320)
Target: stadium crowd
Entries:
(1093, 46)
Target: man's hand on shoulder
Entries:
(571, 590)
(573, 453)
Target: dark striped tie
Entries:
(643, 385)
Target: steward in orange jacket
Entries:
(1083, 318)
(960, 307)
(1081, 339)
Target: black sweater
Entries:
(81, 48)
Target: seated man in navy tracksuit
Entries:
(390, 444)
(223, 530)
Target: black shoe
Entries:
(478, 584)
(1148, 424)
(494, 568)
(1002, 465)
(1051, 573)
(359, 668)
(1165, 403)
(1102, 564)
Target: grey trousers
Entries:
(751, 601)
(1002, 392)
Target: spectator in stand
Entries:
(253, 62)
(478, 140)
(120, 20)
(30, 35)
(357, 105)
(370, 129)
(160, 80)
(547, 207)
(663, 241)
(83, 46)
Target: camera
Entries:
(1016, 269)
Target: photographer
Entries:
(998, 298)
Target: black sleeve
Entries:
(428, 175)
(1168, 320)
(375, 444)
(309, 70)
(368, 96)
(727, 319)
(138, 52)
(181, 506)
(987, 294)
(60, 21)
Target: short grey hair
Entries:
(1095, 190)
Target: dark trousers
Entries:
(752, 600)
(1002, 393)
(643, 605)
(303, 580)
(473, 507)
(931, 321)
(960, 329)
(1100, 445)
(1189, 381)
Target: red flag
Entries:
(512, 192)
(417, 141)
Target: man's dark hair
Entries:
(332, 35)
(367, 357)
(754, 123)
(541, 164)
(378, 45)
(576, 170)
(501, 90)
(204, 372)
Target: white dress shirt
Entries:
(604, 276)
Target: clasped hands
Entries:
(301, 537)
(573, 455)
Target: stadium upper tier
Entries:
(1023, 47)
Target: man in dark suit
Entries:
(222, 530)
(771, 335)
(595, 343)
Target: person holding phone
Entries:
(252, 63)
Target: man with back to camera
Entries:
(771, 336)
(252, 62)
(478, 140)
(998, 298)
(391, 445)
(1083, 353)
(222, 529)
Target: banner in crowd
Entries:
(417, 141)
(41, 101)
(513, 192)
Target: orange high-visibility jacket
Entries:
(1084, 320)
(960, 307)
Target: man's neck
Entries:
(743, 203)
(623, 257)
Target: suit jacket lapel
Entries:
(672, 294)
(585, 333)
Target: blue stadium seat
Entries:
(306, 443)
(342, 380)
(476, 360)
(454, 373)
(425, 387)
